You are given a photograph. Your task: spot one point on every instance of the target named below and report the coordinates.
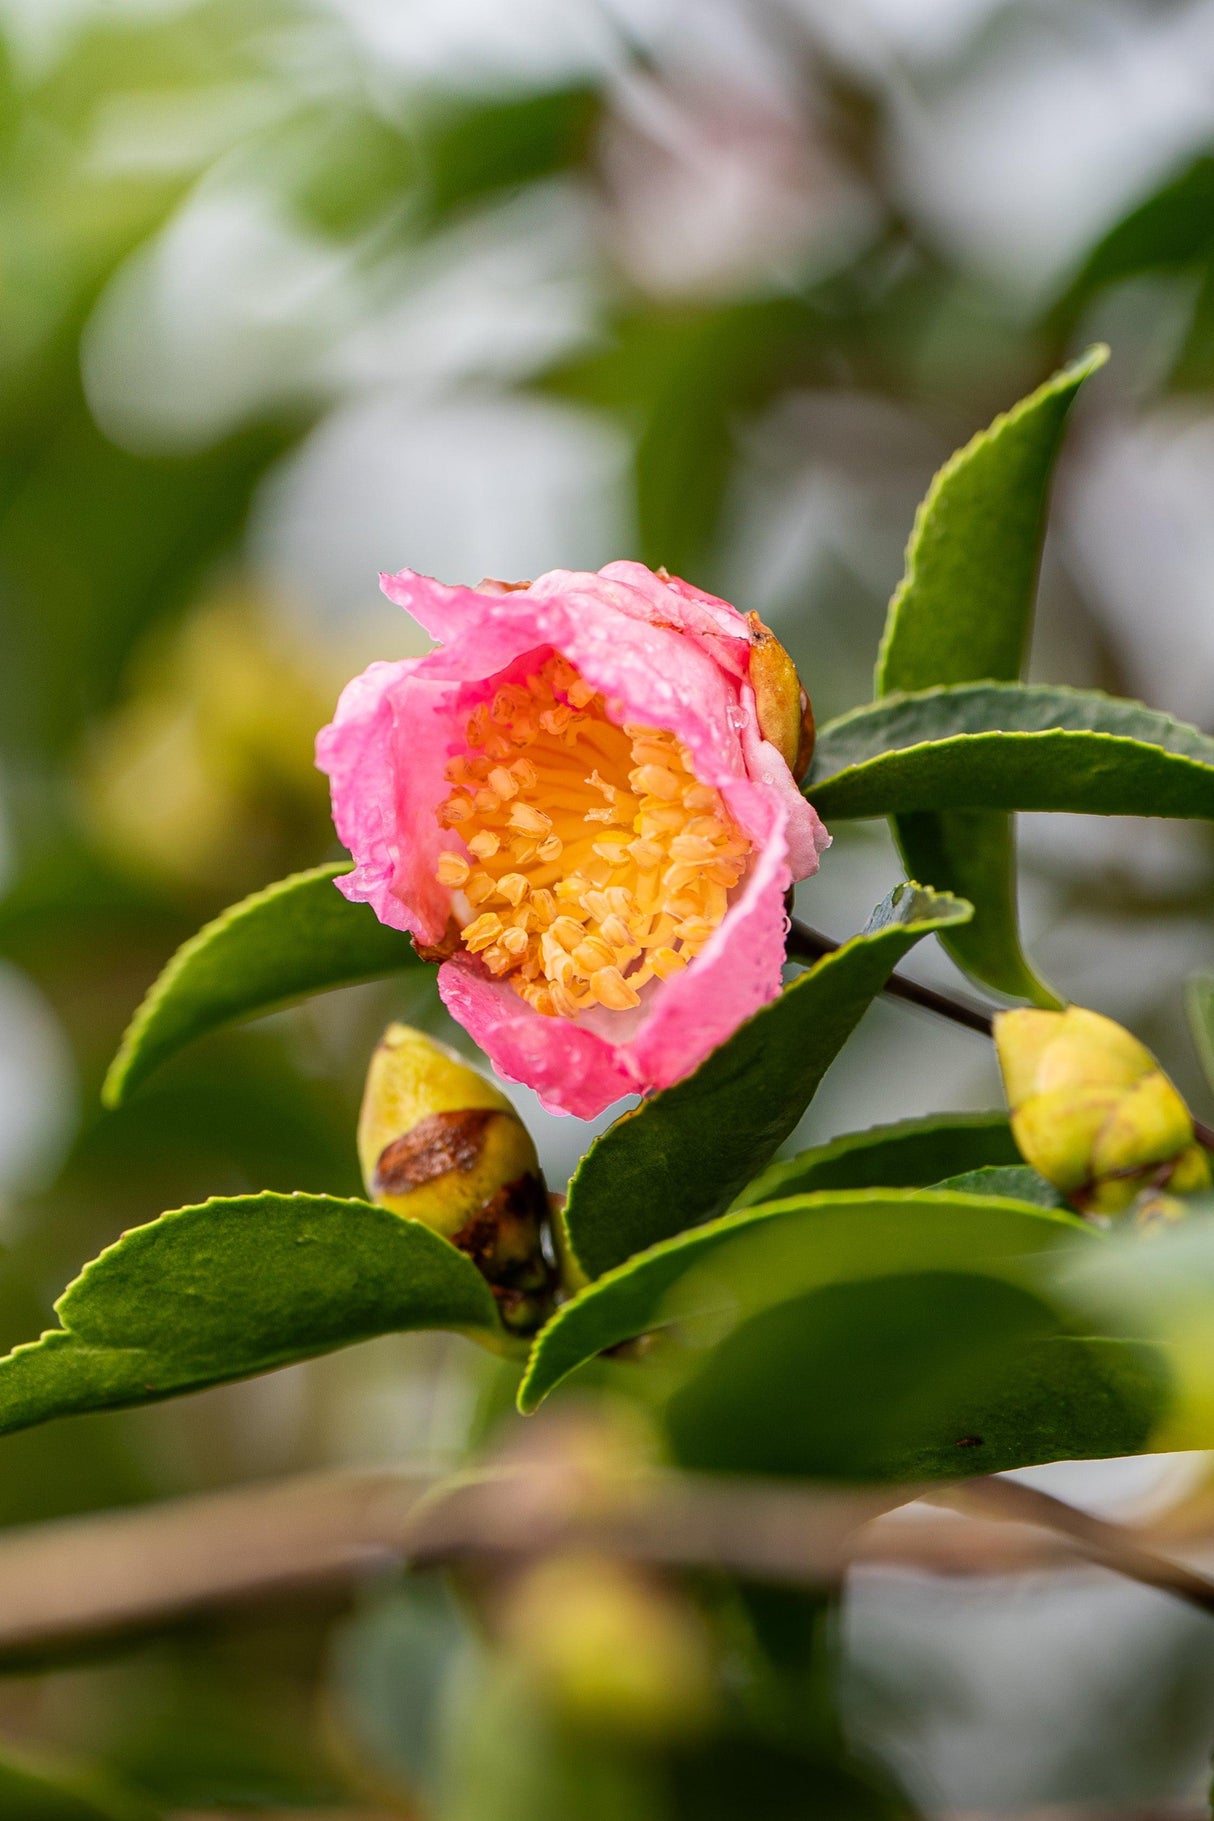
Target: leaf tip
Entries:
(1092, 359)
(117, 1081)
(529, 1396)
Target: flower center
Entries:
(596, 861)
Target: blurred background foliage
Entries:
(290, 292)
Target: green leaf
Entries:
(975, 851)
(1199, 1000)
(963, 609)
(1158, 1289)
(825, 1238)
(911, 1154)
(1169, 230)
(682, 1155)
(685, 377)
(963, 612)
(1008, 746)
(233, 1287)
(32, 1789)
(1012, 1183)
(297, 937)
(472, 151)
(936, 1375)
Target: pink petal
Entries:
(662, 654)
(571, 1068)
(384, 753)
(720, 628)
(807, 838)
(736, 972)
(649, 672)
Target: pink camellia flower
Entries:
(571, 799)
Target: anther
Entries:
(530, 820)
(452, 870)
(482, 932)
(655, 781)
(612, 990)
(513, 887)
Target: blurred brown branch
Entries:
(89, 1579)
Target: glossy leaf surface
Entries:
(682, 1156)
(1011, 1182)
(297, 937)
(963, 609)
(939, 1375)
(234, 1287)
(1007, 746)
(823, 1238)
(910, 1154)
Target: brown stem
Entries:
(805, 944)
(79, 1581)
(1111, 1545)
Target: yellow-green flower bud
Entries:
(1093, 1112)
(612, 1647)
(440, 1144)
(785, 717)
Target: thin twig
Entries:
(805, 944)
(1110, 1545)
(81, 1581)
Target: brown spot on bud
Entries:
(435, 1145)
(509, 1242)
(489, 584)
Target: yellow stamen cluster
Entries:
(593, 861)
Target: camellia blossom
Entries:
(571, 800)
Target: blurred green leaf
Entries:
(1199, 1001)
(31, 1790)
(1156, 1285)
(348, 168)
(932, 1375)
(397, 1665)
(1009, 746)
(911, 1154)
(685, 378)
(513, 1758)
(1170, 230)
(682, 1156)
(235, 1287)
(78, 589)
(297, 937)
(824, 1238)
(472, 150)
(963, 612)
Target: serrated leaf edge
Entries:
(113, 1089)
(65, 1331)
(757, 1215)
(959, 911)
(1037, 691)
(1068, 378)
